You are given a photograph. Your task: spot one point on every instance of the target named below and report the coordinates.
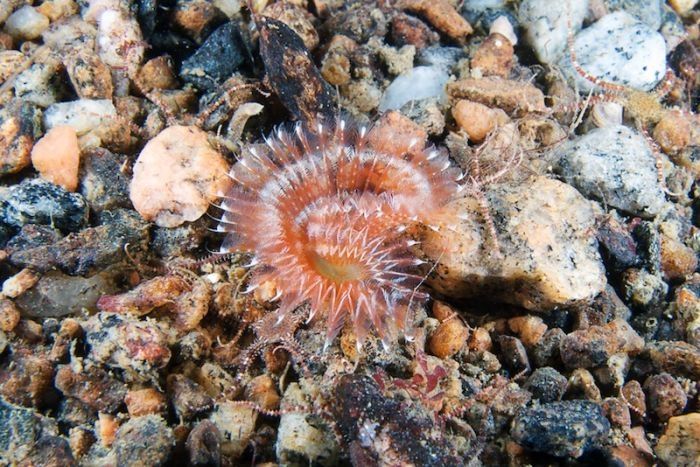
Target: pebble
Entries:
(297, 18)
(593, 346)
(442, 15)
(143, 440)
(196, 18)
(640, 288)
(421, 82)
(504, 27)
(494, 57)
(617, 411)
(547, 26)
(448, 338)
(477, 120)
(38, 85)
(530, 328)
(549, 256)
(679, 443)
(683, 6)
(674, 357)
(92, 386)
(56, 156)
(10, 62)
(262, 391)
(157, 73)
(616, 166)
(187, 398)
(335, 66)
(9, 315)
(84, 115)
(103, 181)
(89, 250)
(634, 396)
(567, 428)
(26, 24)
(620, 49)
(19, 283)
(673, 132)
(619, 246)
(236, 424)
(196, 176)
(408, 30)
(20, 125)
(546, 384)
(91, 77)
(514, 97)
(27, 378)
(146, 401)
(216, 59)
(204, 444)
(57, 9)
(138, 348)
(665, 395)
(677, 260)
(119, 40)
(299, 439)
(513, 355)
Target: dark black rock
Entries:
(36, 201)
(546, 351)
(513, 354)
(414, 439)
(567, 428)
(216, 60)
(546, 384)
(102, 182)
(179, 241)
(89, 250)
(619, 247)
(20, 428)
(32, 236)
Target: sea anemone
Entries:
(325, 211)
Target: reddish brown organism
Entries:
(324, 213)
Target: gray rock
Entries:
(57, 294)
(549, 256)
(145, 440)
(216, 60)
(620, 49)
(546, 25)
(36, 201)
(616, 166)
(102, 182)
(648, 12)
(443, 57)
(20, 428)
(546, 384)
(39, 84)
(567, 428)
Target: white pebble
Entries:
(419, 83)
(503, 27)
(84, 115)
(546, 25)
(26, 24)
(620, 49)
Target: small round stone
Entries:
(26, 24)
(56, 156)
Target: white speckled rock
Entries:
(298, 439)
(620, 49)
(421, 82)
(176, 176)
(546, 231)
(83, 115)
(236, 424)
(26, 23)
(614, 165)
(546, 25)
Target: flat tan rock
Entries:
(56, 156)
(679, 444)
(548, 253)
(176, 176)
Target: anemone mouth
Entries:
(337, 269)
